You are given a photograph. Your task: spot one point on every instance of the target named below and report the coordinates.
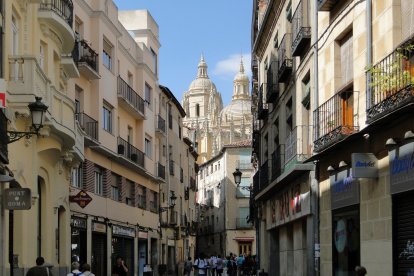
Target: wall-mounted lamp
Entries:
(173, 198)
(390, 144)
(342, 164)
(408, 135)
(37, 112)
(330, 170)
(237, 176)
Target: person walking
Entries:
(40, 269)
(188, 267)
(86, 270)
(220, 265)
(213, 265)
(120, 268)
(201, 264)
(75, 270)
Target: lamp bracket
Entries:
(17, 135)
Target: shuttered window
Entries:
(407, 18)
(347, 60)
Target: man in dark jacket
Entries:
(40, 269)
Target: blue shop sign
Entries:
(402, 168)
(344, 189)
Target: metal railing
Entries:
(278, 161)
(264, 175)
(242, 223)
(298, 144)
(88, 124)
(130, 152)
(3, 138)
(161, 171)
(390, 83)
(160, 123)
(129, 95)
(84, 53)
(63, 8)
(284, 53)
(272, 90)
(262, 107)
(300, 25)
(334, 119)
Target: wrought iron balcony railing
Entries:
(160, 124)
(161, 171)
(335, 119)
(4, 139)
(130, 152)
(272, 90)
(84, 53)
(262, 108)
(243, 223)
(390, 83)
(278, 161)
(63, 8)
(130, 96)
(88, 124)
(298, 145)
(171, 167)
(264, 175)
(301, 29)
(284, 53)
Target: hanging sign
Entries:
(17, 199)
(82, 199)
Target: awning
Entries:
(244, 239)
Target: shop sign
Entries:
(78, 222)
(143, 235)
(99, 227)
(364, 165)
(123, 231)
(82, 198)
(344, 189)
(402, 168)
(17, 199)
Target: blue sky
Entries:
(220, 29)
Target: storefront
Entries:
(142, 252)
(78, 239)
(402, 191)
(345, 222)
(99, 249)
(123, 245)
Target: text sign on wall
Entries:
(123, 231)
(17, 199)
(344, 189)
(402, 168)
(364, 165)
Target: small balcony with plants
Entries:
(90, 126)
(284, 53)
(391, 83)
(335, 119)
(272, 89)
(59, 15)
(301, 30)
(262, 108)
(130, 152)
(130, 100)
(86, 59)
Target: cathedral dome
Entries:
(202, 82)
(236, 111)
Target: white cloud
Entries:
(229, 67)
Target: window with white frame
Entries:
(115, 179)
(107, 118)
(148, 147)
(76, 177)
(107, 55)
(98, 180)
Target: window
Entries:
(98, 181)
(148, 94)
(179, 128)
(164, 150)
(243, 192)
(170, 120)
(289, 12)
(129, 193)
(276, 41)
(115, 181)
(197, 110)
(142, 197)
(107, 55)
(347, 57)
(154, 61)
(148, 148)
(115, 193)
(76, 177)
(107, 118)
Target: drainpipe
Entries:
(314, 177)
(369, 49)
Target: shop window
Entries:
(345, 240)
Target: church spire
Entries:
(241, 65)
(202, 68)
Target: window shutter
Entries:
(407, 18)
(347, 60)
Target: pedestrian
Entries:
(39, 269)
(120, 268)
(75, 270)
(201, 264)
(231, 266)
(360, 270)
(188, 267)
(220, 265)
(86, 270)
(213, 265)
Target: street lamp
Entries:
(37, 112)
(173, 197)
(237, 176)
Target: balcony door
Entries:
(347, 109)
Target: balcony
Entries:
(242, 223)
(244, 165)
(59, 15)
(391, 84)
(86, 59)
(298, 146)
(301, 29)
(130, 100)
(160, 171)
(272, 89)
(4, 139)
(171, 167)
(153, 207)
(264, 175)
(90, 127)
(160, 125)
(130, 152)
(326, 5)
(335, 120)
(262, 108)
(284, 53)
(278, 161)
